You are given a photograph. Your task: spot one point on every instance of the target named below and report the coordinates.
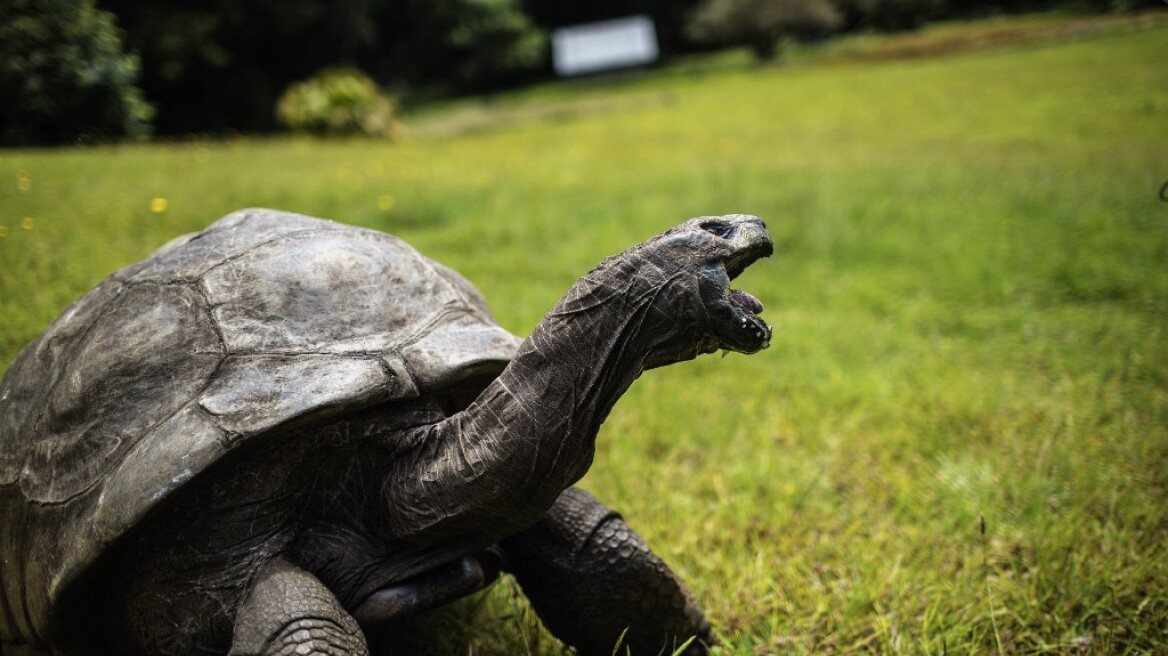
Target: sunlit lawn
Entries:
(959, 439)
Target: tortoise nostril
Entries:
(718, 228)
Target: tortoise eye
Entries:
(717, 228)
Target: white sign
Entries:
(603, 46)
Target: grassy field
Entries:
(958, 442)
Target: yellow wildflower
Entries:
(158, 205)
(385, 202)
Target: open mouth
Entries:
(742, 329)
(737, 324)
(747, 332)
(746, 301)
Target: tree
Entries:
(669, 16)
(64, 75)
(761, 23)
(246, 52)
(494, 38)
(889, 15)
(220, 65)
(472, 45)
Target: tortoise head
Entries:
(715, 250)
(682, 277)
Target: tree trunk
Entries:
(765, 48)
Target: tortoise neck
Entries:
(611, 325)
(531, 433)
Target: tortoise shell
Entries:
(264, 320)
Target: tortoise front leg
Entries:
(431, 589)
(590, 577)
(289, 612)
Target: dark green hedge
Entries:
(64, 76)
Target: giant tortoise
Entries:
(282, 433)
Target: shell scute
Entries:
(150, 337)
(255, 393)
(307, 293)
(31, 377)
(189, 256)
(190, 439)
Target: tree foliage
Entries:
(760, 23)
(220, 65)
(64, 75)
(456, 44)
(889, 15)
(669, 16)
(249, 51)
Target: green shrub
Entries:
(64, 75)
(337, 101)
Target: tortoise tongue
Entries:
(746, 301)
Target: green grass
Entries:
(958, 442)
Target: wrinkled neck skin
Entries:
(497, 466)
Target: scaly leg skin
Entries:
(590, 577)
(289, 612)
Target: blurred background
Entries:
(958, 440)
(89, 70)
